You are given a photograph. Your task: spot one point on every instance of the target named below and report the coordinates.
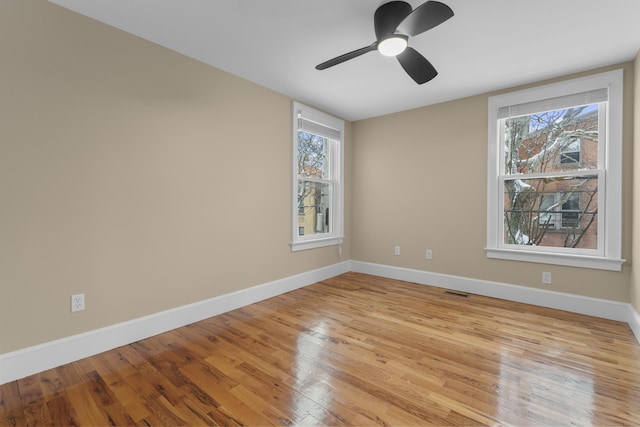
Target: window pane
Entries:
(547, 207)
(313, 207)
(555, 212)
(570, 209)
(571, 154)
(552, 141)
(312, 156)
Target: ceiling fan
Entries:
(394, 23)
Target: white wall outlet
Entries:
(429, 254)
(396, 250)
(546, 277)
(77, 302)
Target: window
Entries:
(317, 197)
(570, 155)
(571, 212)
(554, 181)
(546, 217)
(562, 210)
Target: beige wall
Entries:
(135, 175)
(635, 277)
(420, 182)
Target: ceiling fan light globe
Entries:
(393, 46)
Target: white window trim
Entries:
(611, 257)
(336, 236)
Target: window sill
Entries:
(583, 261)
(316, 243)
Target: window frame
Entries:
(608, 254)
(335, 236)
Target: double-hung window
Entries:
(317, 197)
(554, 173)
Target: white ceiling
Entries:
(487, 45)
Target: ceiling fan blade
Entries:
(416, 66)
(347, 56)
(388, 16)
(425, 17)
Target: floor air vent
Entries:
(458, 294)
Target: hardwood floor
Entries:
(352, 350)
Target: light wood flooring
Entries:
(352, 350)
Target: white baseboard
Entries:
(613, 310)
(31, 360)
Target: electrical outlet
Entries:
(77, 302)
(396, 250)
(429, 254)
(546, 277)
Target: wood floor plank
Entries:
(34, 406)
(134, 405)
(217, 387)
(87, 411)
(352, 350)
(208, 409)
(11, 406)
(61, 411)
